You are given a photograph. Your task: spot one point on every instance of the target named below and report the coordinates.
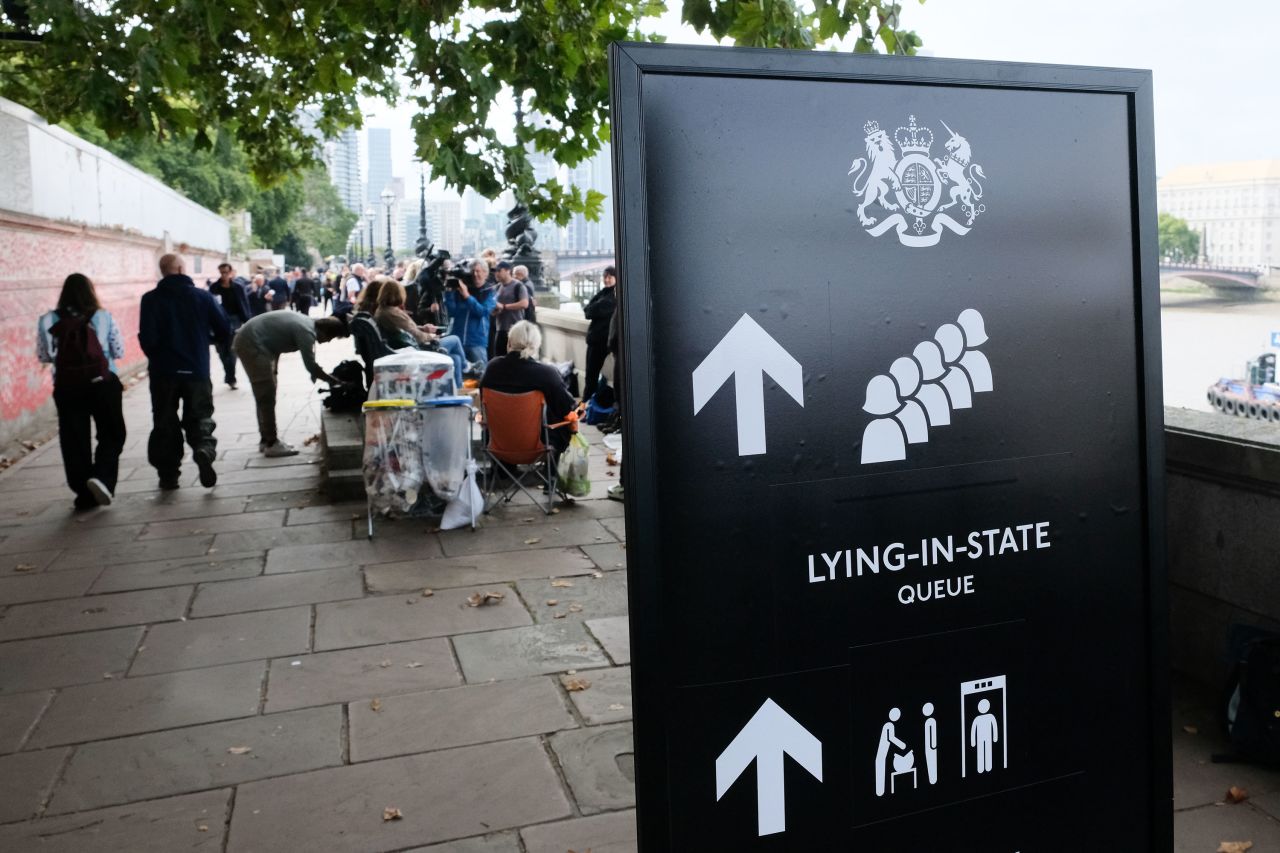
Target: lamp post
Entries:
(369, 216)
(422, 211)
(388, 198)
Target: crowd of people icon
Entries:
(895, 759)
(921, 390)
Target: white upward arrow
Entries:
(746, 354)
(770, 734)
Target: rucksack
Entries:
(349, 395)
(78, 358)
(1252, 697)
(530, 310)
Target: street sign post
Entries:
(893, 452)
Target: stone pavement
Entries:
(241, 669)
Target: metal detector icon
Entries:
(984, 724)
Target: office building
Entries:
(342, 157)
(1234, 207)
(379, 140)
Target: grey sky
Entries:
(1214, 66)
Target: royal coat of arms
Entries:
(913, 191)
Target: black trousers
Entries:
(164, 447)
(302, 304)
(226, 354)
(596, 354)
(99, 403)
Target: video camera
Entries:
(463, 272)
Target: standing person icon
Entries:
(930, 743)
(983, 733)
(956, 381)
(887, 737)
(882, 439)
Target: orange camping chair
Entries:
(517, 444)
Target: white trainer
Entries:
(278, 449)
(100, 492)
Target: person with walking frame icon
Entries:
(983, 733)
(887, 737)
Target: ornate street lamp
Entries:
(388, 198)
(422, 212)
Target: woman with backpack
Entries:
(82, 341)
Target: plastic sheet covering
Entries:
(394, 472)
(413, 375)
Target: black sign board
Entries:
(892, 440)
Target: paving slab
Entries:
(551, 534)
(279, 537)
(154, 508)
(180, 761)
(616, 526)
(215, 524)
(1201, 830)
(613, 832)
(1268, 803)
(259, 461)
(25, 780)
(599, 763)
(339, 513)
(67, 534)
(388, 619)
(301, 558)
(446, 572)
(296, 499)
(297, 488)
(440, 719)
(1197, 780)
(609, 557)
(518, 652)
(608, 699)
(526, 513)
(153, 574)
(63, 661)
(135, 705)
(503, 842)
(131, 552)
(18, 715)
(614, 633)
(442, 796)
(195, 822)
(16, 565)
(587, 598)
(324, 678)
(95, 612)
(224, 639)
(275, 591)
(45, 586)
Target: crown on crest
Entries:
(912, 138)
(871, 128)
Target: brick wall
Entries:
(36, 254)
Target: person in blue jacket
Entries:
(175, 326)
(469, 309)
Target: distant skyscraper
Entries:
(582, 235)
(379, 164)
(444, 224)
(342, 156)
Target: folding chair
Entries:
(517, 442)
(370, 345)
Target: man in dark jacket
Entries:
(279, 288)
(234, 300)
(175, 326)
(304, 292)
(599, 311)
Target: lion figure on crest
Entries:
(956, 170)
(876, 173)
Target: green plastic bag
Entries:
(574, 476)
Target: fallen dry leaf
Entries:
(240, 750)
(196, 532)
(610, 474)
(311, 440)
(391, 813)
(597, 575)
(1235, 846)
(562, 584)
(552, 602)
(476, 599)
(24, 567)
(576, 684)
(1191, 730)
(375, 705)
(412, 665)
(384, 663)
(575, 608)
(427, 593)
(616, 707)
(533, 541)
(560, 615)
(1236, 795)
(610, 459)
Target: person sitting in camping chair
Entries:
(519, 372)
